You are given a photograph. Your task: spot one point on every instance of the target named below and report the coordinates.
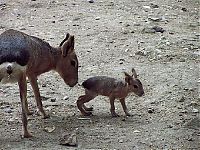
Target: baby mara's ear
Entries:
(128, 77)
(134, 74)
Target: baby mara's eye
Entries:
(73, 63)
(135, 86)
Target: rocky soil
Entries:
(160, 39)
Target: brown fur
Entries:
(43, 58)
(112, 88)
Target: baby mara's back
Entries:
(103, 85)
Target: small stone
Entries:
(69, 139)
(121, 141)
(184, 9)
(190, 139)
(44, 85)
(136, 131)
(124, 119)
(171, 33)
(8, 110)
(65, 98)
(91, 1)
(137, 24)
(53, 99)
(182, 99)
(23, 29)
(141, 53)
(193, 103)
(49, 129)
(156, 19)
(127, 25)
(182, 60)
(184, 111)
(158, 29)
(125, 32)
(154, 5)
(97, 18)
(194, 110)
(151, 110)
(121, 62)
(169, 126)
(12, 129)
(146, 7)
(126, 50)
(122, 59)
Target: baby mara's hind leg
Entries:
(84, 99)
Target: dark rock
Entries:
(150, 110)
(158, 29)
(91, 1)
(184, 9)
(154, 5)
(53, 99)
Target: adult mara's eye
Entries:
(73, 63)
(135, 86)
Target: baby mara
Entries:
(112, 88)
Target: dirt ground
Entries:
(111, 37)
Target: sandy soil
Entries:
(111, 37)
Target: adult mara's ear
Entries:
(66, 37)
(68, 46)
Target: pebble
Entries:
(53, 99)
(193, 103)
(22, 28)
(182, 99)
(49, 129)
(141, 53)
(184, 9)
(91, 1)
(121, 141)
(156, 19)
(8, 110)
(97, 18)
(12, 129)
(190, 139)
(151, 110)
(137, 24)
(154, 5)
(69, 139)
(44, 85)
(136, 131)
(194, 110)
(158, 29)
(169, 126)
(146, 7)
(65, 98)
